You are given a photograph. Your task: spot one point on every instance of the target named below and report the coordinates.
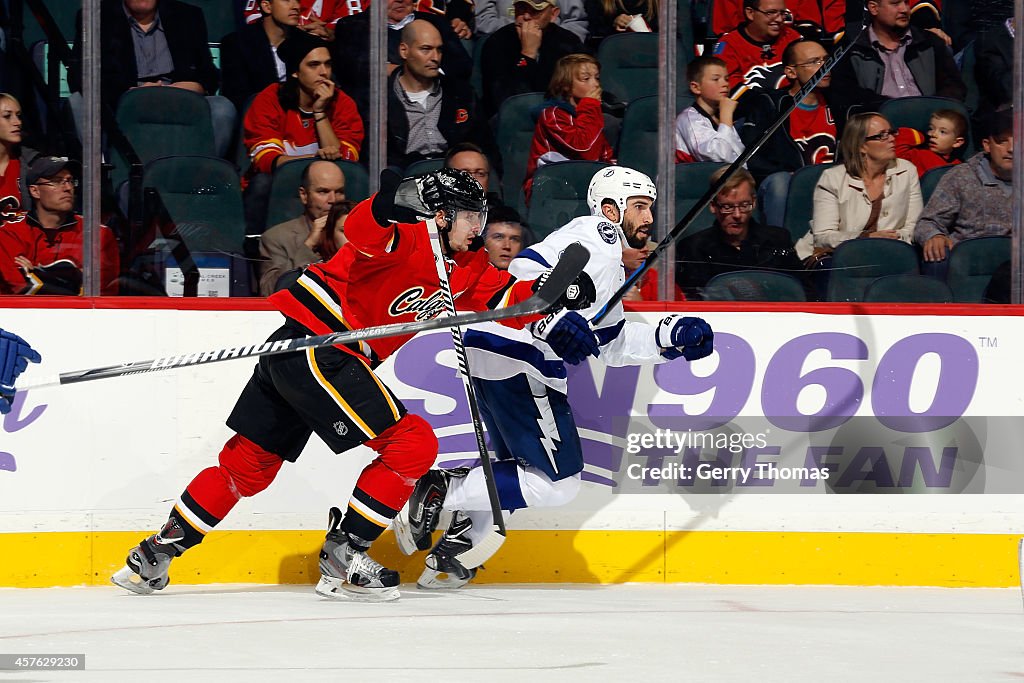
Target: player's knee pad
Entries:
(248, 468)
(540, 491)
(408, 447)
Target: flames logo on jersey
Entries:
(412, 301)
(817, 149)
(9, 208)
(764, 76)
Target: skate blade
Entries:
(432, 579)
(403, 532)
(337, 589)
(129, 580)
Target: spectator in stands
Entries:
(736, 241)
(646, 288)
(316, 17)
(470, 158)
(295, 243)
(993, 67)
(41, 251)
(156, 43)
(893, 59)
(974, 199)
(492, 15)
(947, 131)
(704, 130)
(608, 17)
(248, 57)
(13, 158)
(504, 238)
(521, 57)
(306, 116)
(821, 20)
(351, 48)
(571, 125)
(873, 194)
(428, 112)
(807, 137)
(331, 241)
(753, 52)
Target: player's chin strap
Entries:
(485, 548)
(713, 191)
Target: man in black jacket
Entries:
(892, 59)
(248, 57)
(427, 112)
(735, 241)
(521, 57)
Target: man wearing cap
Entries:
(305, 117)
(521, 57)
(41, 253)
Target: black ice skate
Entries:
(443, 568)
(348, 573)
(418, 519)
(146, 567)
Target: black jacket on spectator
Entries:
(857, 79)
(351, 54)
(185, 31)
(602, 25)
(780, 152)
(459, 120)
(506, 72)
(708, 253)
(247, 63)
(993, 69)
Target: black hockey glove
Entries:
(580, 295)
(405, 200)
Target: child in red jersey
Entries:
(946, 134)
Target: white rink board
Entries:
(113, 454)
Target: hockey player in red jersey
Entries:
(384, 274)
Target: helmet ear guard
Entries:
(617, 184)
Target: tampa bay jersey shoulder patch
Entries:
(608, 232)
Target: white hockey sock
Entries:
(469, 494)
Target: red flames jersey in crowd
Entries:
(828, 14)
(330, 11)
(10, 193)
(751, 64)
(912, 145)
(814, 132)
(391, 278)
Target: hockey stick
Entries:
(546, 296)
(691, 215)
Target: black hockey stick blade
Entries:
(684, 224)
(563, 275)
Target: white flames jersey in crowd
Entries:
(499, 352)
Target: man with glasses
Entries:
(735, 242)
(894, 59)
(753, 52)
(808, 137)
(41, 252)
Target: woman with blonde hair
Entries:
(873, 194)
(570, 126)
(12, 160)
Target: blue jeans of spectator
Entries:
(936, 269)
(223, 117)
(771, 196)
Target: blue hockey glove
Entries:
(15, 355)
(690, 338)
(569, 335)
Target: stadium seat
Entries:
(930, 180)
(800, 200)
(915, 112)
(630, 63)
(163, 122)
(972, 264)
(284, 191)
(560, 194)
(692, 182)
(754, 285)
(907, 288)
(857, 263)
(220, 18)
(639, 140)
(62, 11)
(514, 133)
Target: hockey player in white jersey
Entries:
(521, 383)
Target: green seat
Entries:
(63, 13)
(971, 265)
(638, 139)
(220, 18)
(918, 289)
(514, 135)
(800, 200)
(692, 182)
(916, 112)
(560, 194)
(203, 197)
(754, 285)
(857, 263)
(163, 122)
(630, 63)
(930, 180)
(284, 189)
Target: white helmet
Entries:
(618, 184)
